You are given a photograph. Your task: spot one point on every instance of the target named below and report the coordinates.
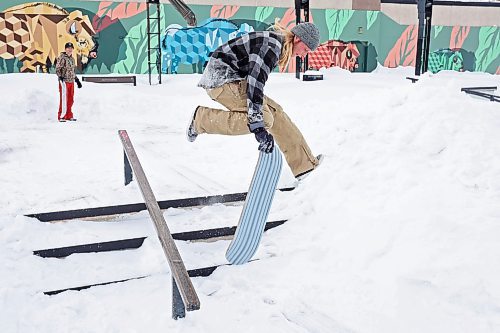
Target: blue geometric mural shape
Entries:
(193, 45)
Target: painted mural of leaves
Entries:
(405, 49)
(458, 36)
(120, 10)
(336, 20)
(489, 47)
(3, 66)
(437, 30)
(289, 18)
(110, 12)
(223, 11)
(135, 45)
(263, 13)
(371, 17)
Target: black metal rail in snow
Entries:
(482, 92)
(134, 243)
(137, 207)
(198, 272)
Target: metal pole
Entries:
(178, 308)
(299, 5)
(427, 40)
(158, 60)
(424, 8)
(127, 169)
(306, 16)
(149, 41)
(420, 40)
(298, 60)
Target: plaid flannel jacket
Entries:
(252, 57)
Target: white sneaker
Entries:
(303, 175)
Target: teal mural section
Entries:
(31, 34)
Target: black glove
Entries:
(78, 83)
(265, 140)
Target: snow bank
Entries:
(397, 231)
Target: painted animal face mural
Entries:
(193, 46)
(36, 32)
(446, 59)
(335, 53)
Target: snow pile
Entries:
(397, 231)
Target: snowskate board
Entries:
(256, 209)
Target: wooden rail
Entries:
(181, 280)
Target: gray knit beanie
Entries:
(308, 33)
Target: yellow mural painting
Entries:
(36, 33)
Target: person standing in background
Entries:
(65, 70)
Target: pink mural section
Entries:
(404, 50)
(110, 12)
(223, 11)
(288, 19)
(458, 36)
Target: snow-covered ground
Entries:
(397, 231)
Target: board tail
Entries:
(256, 209)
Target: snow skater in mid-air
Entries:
(235, 77)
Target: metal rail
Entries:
(484, 92)
(111, 79)
(134, 243)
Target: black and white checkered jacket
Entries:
(252, 57)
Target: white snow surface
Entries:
(397, 231)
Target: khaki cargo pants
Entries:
(233, 96)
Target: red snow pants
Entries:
(66, 94)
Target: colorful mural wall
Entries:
(35, 33)
(110, 37)
(193, 46)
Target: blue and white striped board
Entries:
(256, 209)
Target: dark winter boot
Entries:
(191, 132)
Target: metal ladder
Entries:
(154, 53)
